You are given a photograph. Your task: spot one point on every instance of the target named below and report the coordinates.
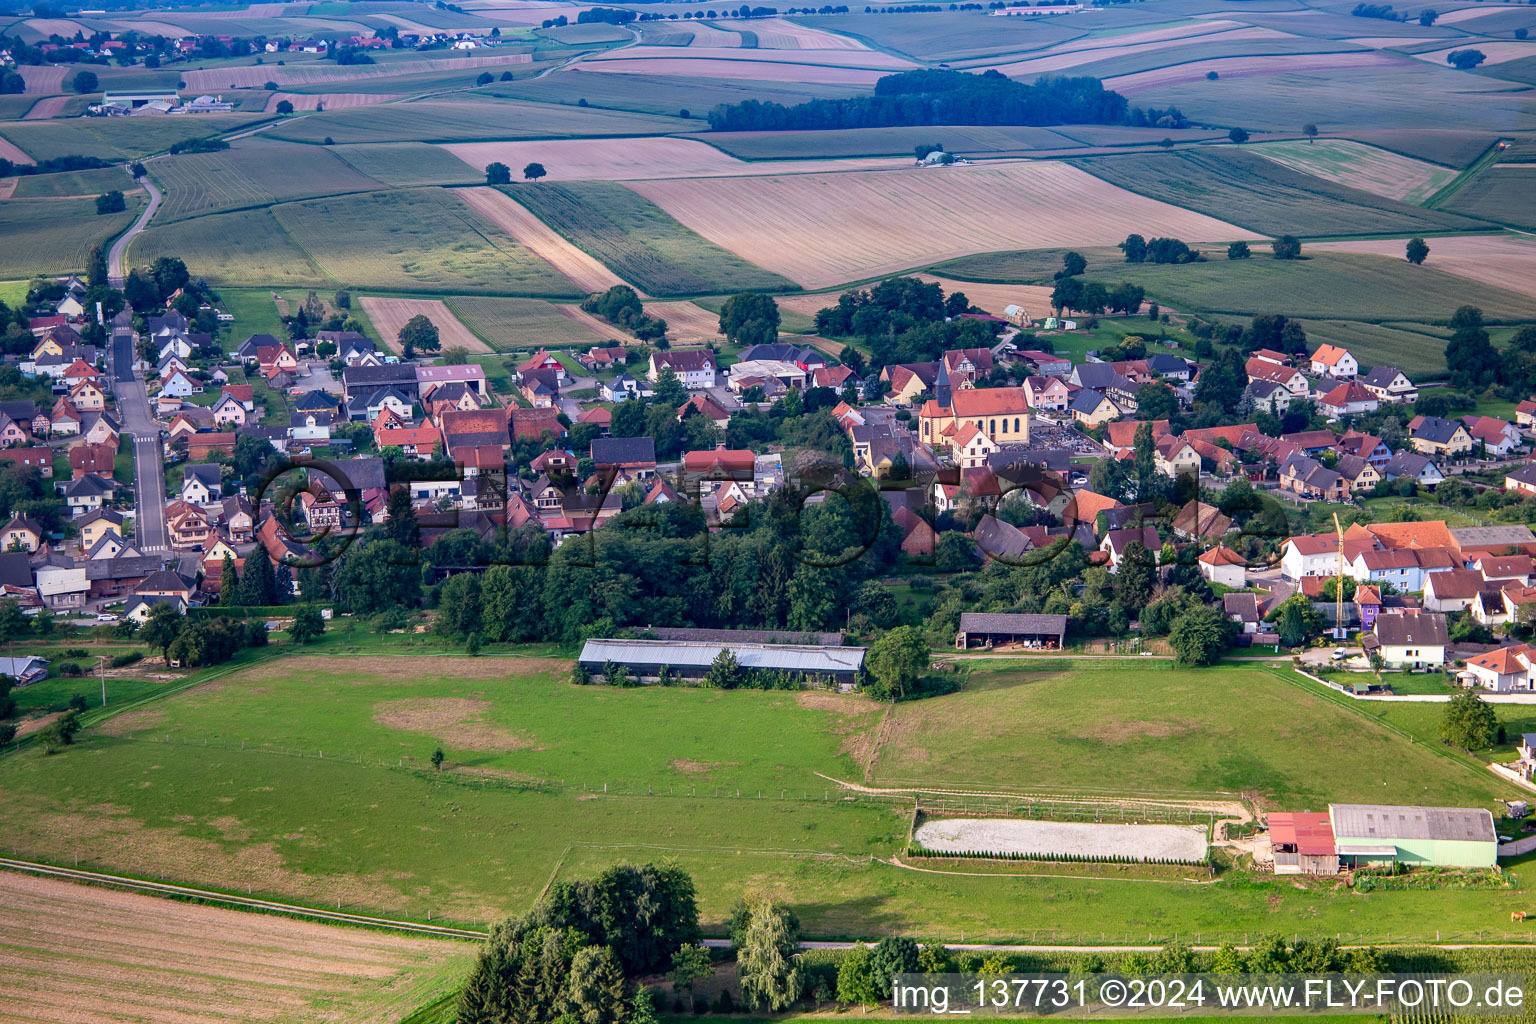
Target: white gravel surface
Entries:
(1083, 839)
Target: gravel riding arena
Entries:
(1075, 840)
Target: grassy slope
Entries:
(639, 241)
(72, 183)
(114, 138)
(314, 829)
(1506, 195)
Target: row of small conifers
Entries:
(916, 849)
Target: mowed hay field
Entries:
(92, 955)
(660, 157)
(510, 324)
(407, 163)
(143, 793)
(1362, 167)
(825, 229)
(52, 236)
(639, 241)
(1157, 731)
(1503, 261)
(1263, 195)
(390, 314)
(584, 271)
(416, 240)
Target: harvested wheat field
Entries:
(14, 153)
(254, 76)
(327, 100)
(1468, 13)
(48, 106)
(778, 34)
(389, 315)
(855, 58)
(1498, 51)
(91, 955)
(1237, 67)
(1360, 166)
(709, 35)
(45, 80)
(824, 229)
(750, 70)
(586, 272)
(994, 298)
(1097, 48)
(602, 328)
(1504, 261)
(687, 323)
(655, 157)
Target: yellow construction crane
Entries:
(1339, 632)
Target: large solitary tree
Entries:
(498, 173)
(896, 662)
(1417, 251)
(534, 171)
(1467, 722)
(420, 335)
(750, 318)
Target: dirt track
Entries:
(389, 315)
(582, 269)
(86, 955)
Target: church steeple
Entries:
(941, 385)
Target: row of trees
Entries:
(621, 306)
(939, 96)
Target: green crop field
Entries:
(246, 247)
(1357, 99)
(209, 787)
(53, 236)
(252, 172)
(408, 163)
(1416, 349)
(508, 325)
(465, 119)
(114, 138)
(1451, 148)
(962, 140)
(1499, 193)
(639, 241)
(951, 36)
(656, 94)
(1248, 190)
(416, 240)
(1355, 165)
(73, 183)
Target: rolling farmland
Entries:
(74, 183)
(1263, 195)
(329, 74)
(390, 314)
(248, 247)
(827, 229)
(253, 172)
(1501, 261)
(658, 94)
(510, 324)
(639, 242)
(93, 955)
(113, 138)
(663, 157)
(415, 240)
(1500, 193)
(963, 140)
(55, 236)
(466, 118)
(1450, 148)
(1362, 167)
(583, 270)
(407, 163)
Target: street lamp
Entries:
(101, 667)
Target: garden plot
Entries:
(1066, 839)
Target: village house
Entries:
(1307, 478)
(695, 368)
(93, 459)
(1522, 479)
(1439, 437)
(87, 493)
(1334, 361)
(1350, 398)
(1175, 457)
(98, 525)
(1092, 408)
(1046, 394)
(87, 397)
(905, 383)
(1421, 469)
(21, 534)
(1411, 639)
(1505, 670)
(1498, 437)
(1116, 542)
(1390, 385)
(201, 484)
(1359, 474)
(228, 412)
(1288, 377)
(1266, 396)
(1221, 565)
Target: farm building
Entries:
(1360, 835)
(986, 629)
(24, 670)
(691, 659)
(1430, 836)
